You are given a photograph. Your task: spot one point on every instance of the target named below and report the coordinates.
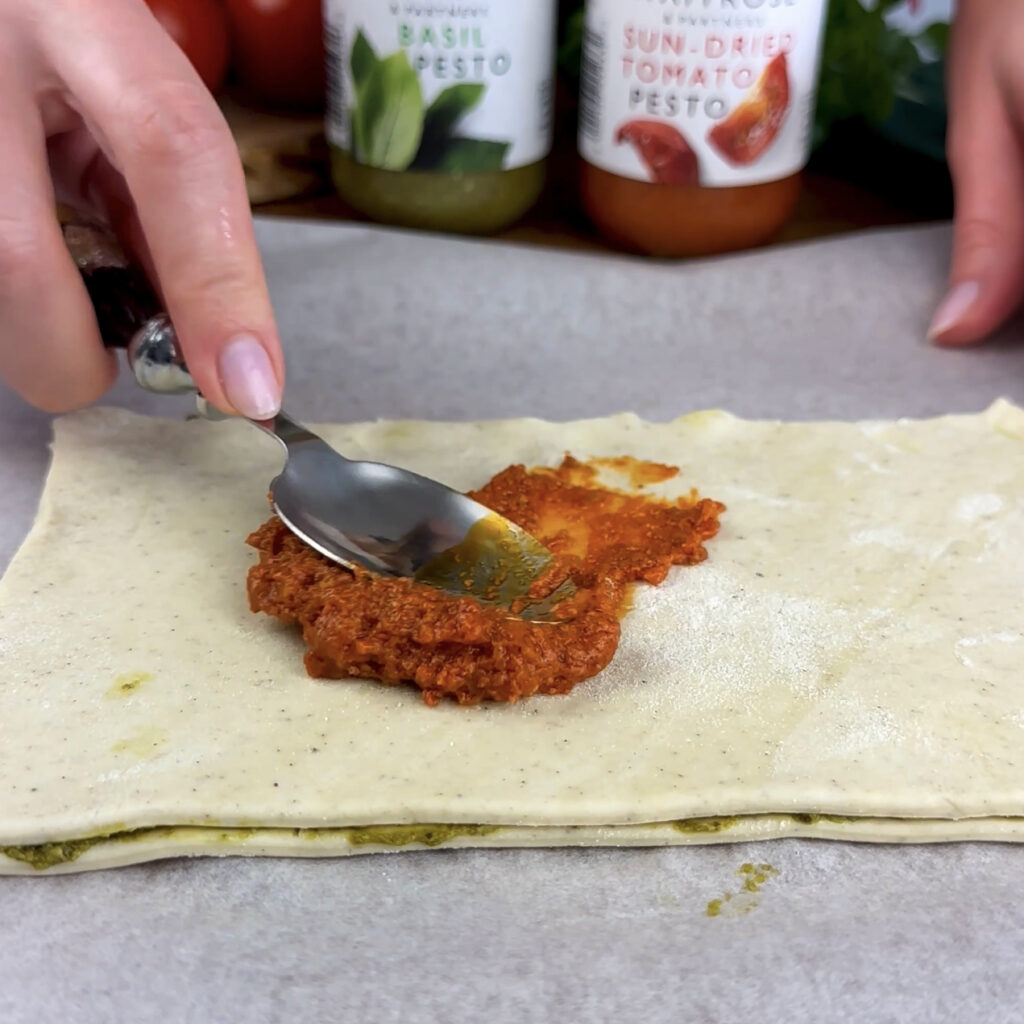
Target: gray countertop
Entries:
(384, 324)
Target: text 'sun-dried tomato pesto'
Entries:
(359, 625)
(695, 119)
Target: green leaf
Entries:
(391, 114)
(472, 156)
(936, 35)
(448, 108)
(362, 61)
(570, 49)
(450, 105)
(864, 61)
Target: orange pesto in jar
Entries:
(358, 625)
(685, 220)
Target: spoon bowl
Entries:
(394, 522)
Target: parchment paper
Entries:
(839, 933)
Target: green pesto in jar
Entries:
(472, 204)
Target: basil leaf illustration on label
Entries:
(362, 61)
(391, 112)
(449, 106)
(440, 119)
(472, 156)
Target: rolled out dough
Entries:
(852, 648)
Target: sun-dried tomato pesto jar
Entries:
(440, 113)
(696, 118)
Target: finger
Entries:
(50, 350)
(987, 164)
(160, 128)
(987, 269)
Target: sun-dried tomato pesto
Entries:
(356, 624)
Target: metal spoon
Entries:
(390, 521)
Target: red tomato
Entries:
(663, 150)
(751, 126)
(200, 28)
(278, 49)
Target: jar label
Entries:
(700, 92)
(454, 88)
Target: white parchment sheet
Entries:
(384, 324)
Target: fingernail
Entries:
(958, 300)
(248, 378)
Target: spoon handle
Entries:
(128, 312)
(287, 431)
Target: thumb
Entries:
(987, 273)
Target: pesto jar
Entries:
(439, 114)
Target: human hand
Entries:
(101, 110)
(985, 145)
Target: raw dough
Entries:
(852, 647)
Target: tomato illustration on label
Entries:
(754, 123)
(663, 150)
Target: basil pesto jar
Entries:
(439, 114)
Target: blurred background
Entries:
(878, 139)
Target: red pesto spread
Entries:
(357, 624)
